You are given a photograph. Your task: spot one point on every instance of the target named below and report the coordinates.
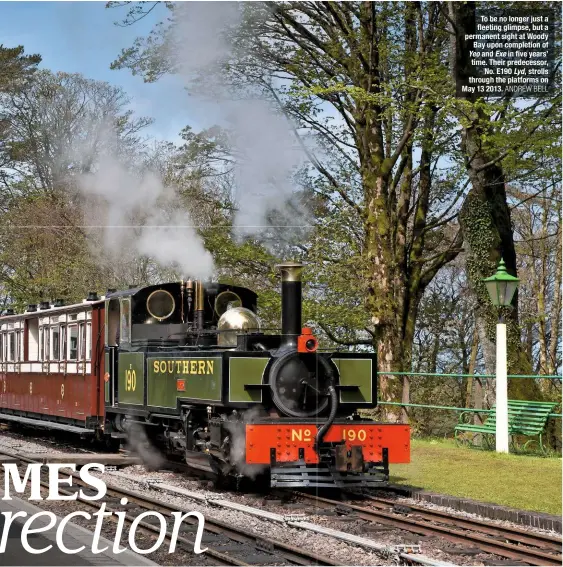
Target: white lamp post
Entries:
(501, 288)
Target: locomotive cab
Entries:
(169, 313)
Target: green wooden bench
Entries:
(525, 419)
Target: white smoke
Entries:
(263, 142)
(139, 443)
(141, 216)
(237, 431)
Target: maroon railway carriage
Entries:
(52, 366)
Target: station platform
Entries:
(74, 537)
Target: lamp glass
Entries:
(501, 286)
(509, 291)
(493, 292)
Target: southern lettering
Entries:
(184, 366)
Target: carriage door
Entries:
(111, 342)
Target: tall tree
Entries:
(496, 139)
(55, 127)
(16, 68)
(368, 80)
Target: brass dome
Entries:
(232, 322)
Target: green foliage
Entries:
(372, 85)
(518, 481)
(16, 69)
(44, 255)
(56, 126)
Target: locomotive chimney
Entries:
(291, 302)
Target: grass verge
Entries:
(519, 481)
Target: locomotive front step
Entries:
(300, 474)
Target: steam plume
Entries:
(237, 455)
(143, 216)
(263, 142)
(139, 444)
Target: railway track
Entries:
(229, 544)
(507, 533)
(226, 544)
(508, 542)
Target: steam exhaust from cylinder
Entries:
(291, 302)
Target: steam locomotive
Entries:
(187, 365)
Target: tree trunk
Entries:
(389, 357)
(485, 216)
(487, 345)
(555, 315)
(471, 367)
(542, 334)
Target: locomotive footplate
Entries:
(329, 475)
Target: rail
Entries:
(486, 376)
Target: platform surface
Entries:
(74, 537)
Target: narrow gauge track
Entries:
(228, 544)
(528, 547)
(503, 532)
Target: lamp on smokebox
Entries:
(501, 287)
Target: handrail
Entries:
(451, 408)
(486, 376)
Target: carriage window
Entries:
(20, 345)
(88, 341)
(33, 339)
(55, 342)
(11, 346)
(82, 341)
(63, 342)
(45, 353)
(72, 342)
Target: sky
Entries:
(81, 37)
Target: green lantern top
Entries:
(502, 286)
